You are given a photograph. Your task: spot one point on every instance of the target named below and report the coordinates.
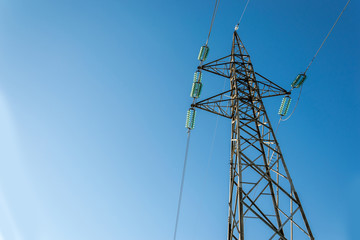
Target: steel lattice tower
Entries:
(261, 189)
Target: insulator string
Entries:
(297, 101)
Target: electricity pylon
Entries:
(261, 189)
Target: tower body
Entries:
(263, 203)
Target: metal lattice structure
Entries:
(261, 189)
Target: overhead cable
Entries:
(312, 60)
(182, 184)
(242, 14)
(212, 20)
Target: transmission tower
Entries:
(261, 189)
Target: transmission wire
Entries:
(182, 184)
(212, 20)
(242, 14)
(312, 60)
(277, 127)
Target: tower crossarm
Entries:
(268, 88)
(222, 104)
(221, 67)
(240, 60)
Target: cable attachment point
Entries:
(236, 27)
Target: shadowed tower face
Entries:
(261, 190)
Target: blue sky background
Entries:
(93, 97)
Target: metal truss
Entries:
(261, 189)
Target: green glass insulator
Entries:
(285, 105)
(197, 85)
(190, 118)
(197, 76)
(196, 90)
(204, 51)
(299, 80)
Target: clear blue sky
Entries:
(93, 96)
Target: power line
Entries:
(212, 20)
(182, 184)
(242, 14)
(312, 60)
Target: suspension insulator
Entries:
(197, 85)
(299, 80)
(197, 76)
(284, 107)
(190, 118)
(196, 90)
(204, 51)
